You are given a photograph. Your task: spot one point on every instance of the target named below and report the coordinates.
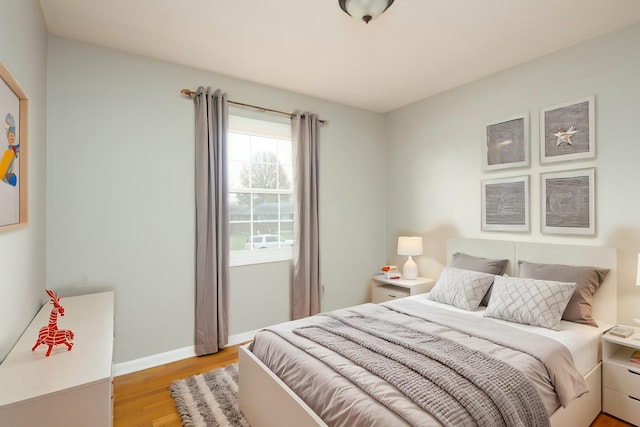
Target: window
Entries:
(260, 190)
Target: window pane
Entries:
(286, 230)
(264, 176)
(268, 145)
(265, 207)
(239, 233)
(239, 207)
(265, 227)
(244, 176)
(239, 147)
(285, 155)
(286, 207)
(238, 174)
(285, 176)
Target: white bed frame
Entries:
(267, 401)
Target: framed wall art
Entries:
(568, 202)
(13, 152)
(507, 143)
(567, 131)
(505, 204)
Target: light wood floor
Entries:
(141, 399)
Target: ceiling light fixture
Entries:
(366, 10)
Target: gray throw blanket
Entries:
(568, 383)
(457, 385)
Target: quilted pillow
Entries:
(461, 288)
(484, 265)
(529, 301)
(588, 280)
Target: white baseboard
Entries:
(153, 360)
(170, 356)
(244, 337)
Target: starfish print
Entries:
(565, 135)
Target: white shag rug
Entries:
(209, 399)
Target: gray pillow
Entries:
(460, 288)
(587, 279)
(529, 301)
(484, 265)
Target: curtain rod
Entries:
(190, 92)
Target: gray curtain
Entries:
(306, 253)
(212, 222)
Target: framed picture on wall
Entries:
(567, 131)
(505, 204)
(568, 202)
(13, 152)
(506, 143)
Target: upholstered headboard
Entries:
(605, 303)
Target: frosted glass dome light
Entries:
(367, 10)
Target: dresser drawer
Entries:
(621, 378)
(622, 406)
(387, 292)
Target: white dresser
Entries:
(621, 378)
(68, 388)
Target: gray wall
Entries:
(22, 251)
(121, 198)
(434, 150)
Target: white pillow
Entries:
(461, 288)
(529, 301)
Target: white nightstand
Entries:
(387, 289)
(621, 378)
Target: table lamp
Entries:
(409, 245)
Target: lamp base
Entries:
(410, 269)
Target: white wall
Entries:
(434, 154)
(121, 199)
(22, 254)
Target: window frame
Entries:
(266, 128)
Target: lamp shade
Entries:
(409, 245)
(366, 10)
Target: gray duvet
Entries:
(404, 364)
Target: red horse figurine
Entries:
(50, 335)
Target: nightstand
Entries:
(621, 378)
(388, 289)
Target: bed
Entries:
(269, 400)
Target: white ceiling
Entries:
(416, 49)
